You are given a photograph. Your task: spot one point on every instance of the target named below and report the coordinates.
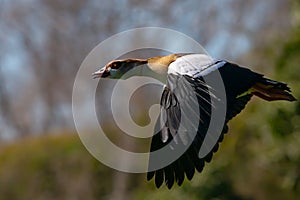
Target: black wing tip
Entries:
(179, 183)
(169, 185)
(159, 178)
(292, 98)
(158, 183)
(150, 175)
(190, 176)
(187, 171)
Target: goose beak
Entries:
(102, 73)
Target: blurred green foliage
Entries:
(56, 167)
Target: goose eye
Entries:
(114, 66)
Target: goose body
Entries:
(185, 74)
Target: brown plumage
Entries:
(272, 91)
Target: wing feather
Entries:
(186, 106)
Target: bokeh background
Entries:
(42, 44)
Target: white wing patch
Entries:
(194, 65)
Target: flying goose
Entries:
(183, 73)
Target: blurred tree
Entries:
(44, 42)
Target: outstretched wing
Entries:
(186, 108)
(183, 101)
